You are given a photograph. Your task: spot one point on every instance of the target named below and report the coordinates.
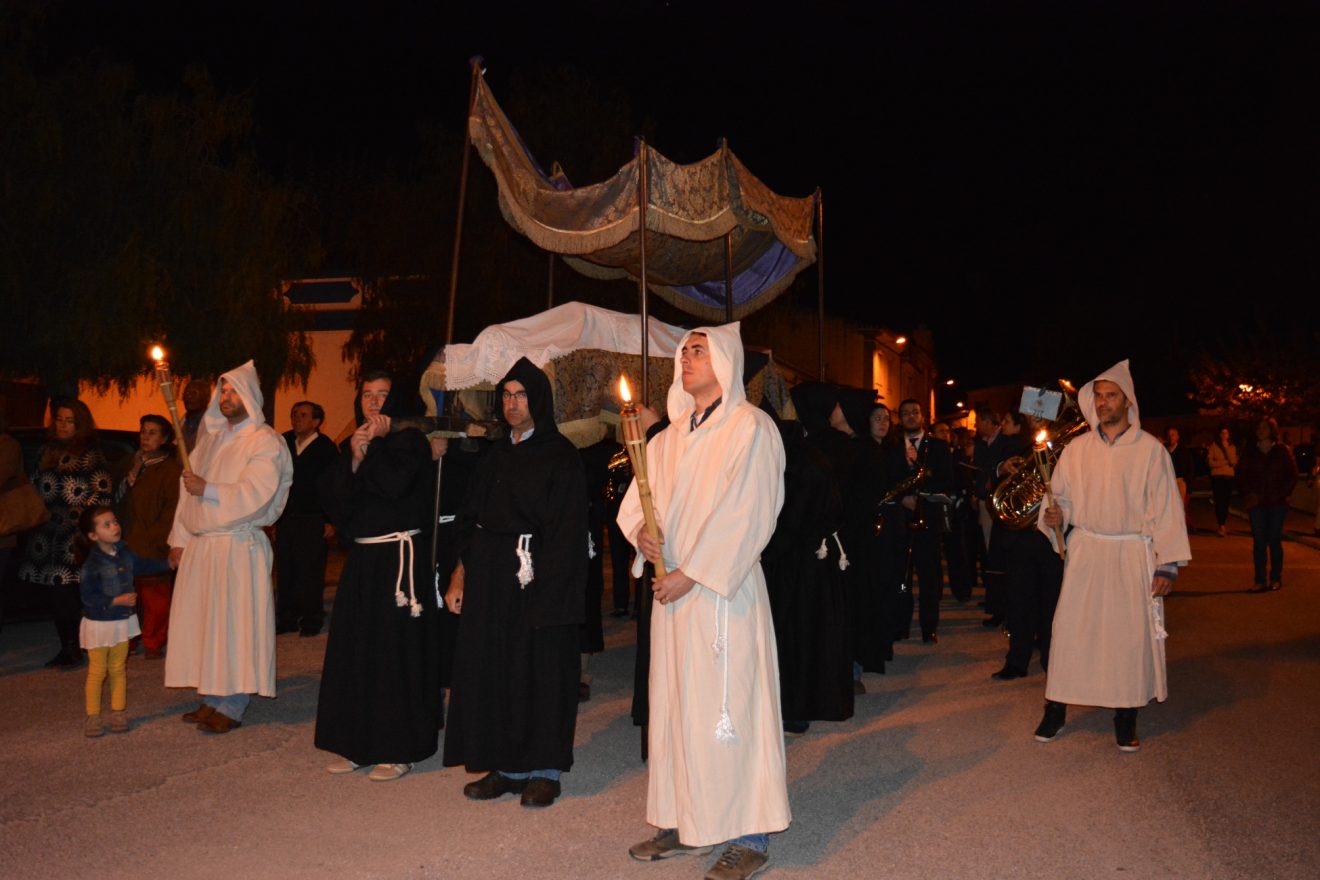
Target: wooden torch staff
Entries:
(1043, 451)
(634, 440)
(167, 391)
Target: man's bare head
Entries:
(1111, 404)
(698, 372)
(231, 405)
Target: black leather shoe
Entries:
(1052, 724)
(1259, 588)
(1125, 730)
(309, 632)
(492, 785)
(929, 638)
(1008, 673)
(283, 628)
(540, 792)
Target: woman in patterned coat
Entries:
(71, 476)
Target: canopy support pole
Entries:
(820, 287)
(728, 277)
(550, 281)
(643, 198)
(475, 63)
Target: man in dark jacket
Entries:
(303, 530)
(919, 449)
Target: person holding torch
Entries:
(716, 770)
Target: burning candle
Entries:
(1044, 466)
(167, 391)
(634, 440)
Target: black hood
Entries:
(815, 402)
(857, 405)
(400, 403)
(540, 397)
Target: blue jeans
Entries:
(1267, 535)
(232, 706)
(544, 774)
(758, 842)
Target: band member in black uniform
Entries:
(919, 450)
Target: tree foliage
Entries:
(133, 218)
(1274, 374)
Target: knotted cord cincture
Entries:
(525, 570)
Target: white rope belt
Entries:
(407, 553)
(724, 731)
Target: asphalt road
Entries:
(936, 776)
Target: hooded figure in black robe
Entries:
(381, 699)
(808, 594)
(524, 571)
(876, 573)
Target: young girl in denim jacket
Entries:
(108, 620)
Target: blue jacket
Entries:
(104, 577)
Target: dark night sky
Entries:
(1049, 189)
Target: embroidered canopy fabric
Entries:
(690, 209)
(583, 349)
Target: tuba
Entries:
(1016, 500)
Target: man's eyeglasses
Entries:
(520, 396)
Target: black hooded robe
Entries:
(514, 693)
(380, 700)
(808, 593)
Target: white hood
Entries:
(726, 357)
(1121, 376)
(245, 381)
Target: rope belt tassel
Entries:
(525, 570)
(407, 556)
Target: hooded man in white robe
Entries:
(1116, 499)
(222, 622)
(716, 749)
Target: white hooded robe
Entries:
(222, 620)
(717, 492)
(1122, 504)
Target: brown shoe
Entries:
(119, 721)
(217, 722)
(201, 713)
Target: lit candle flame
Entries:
(157, 353)
(1040, 436)
(623, 389)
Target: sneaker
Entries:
(738, 863)
(665, 845)
(1125, 730)
(342, 766)
(92, 726)
(388, 772)
(1051, 725)
(119, 722)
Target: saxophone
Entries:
(909, 486)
